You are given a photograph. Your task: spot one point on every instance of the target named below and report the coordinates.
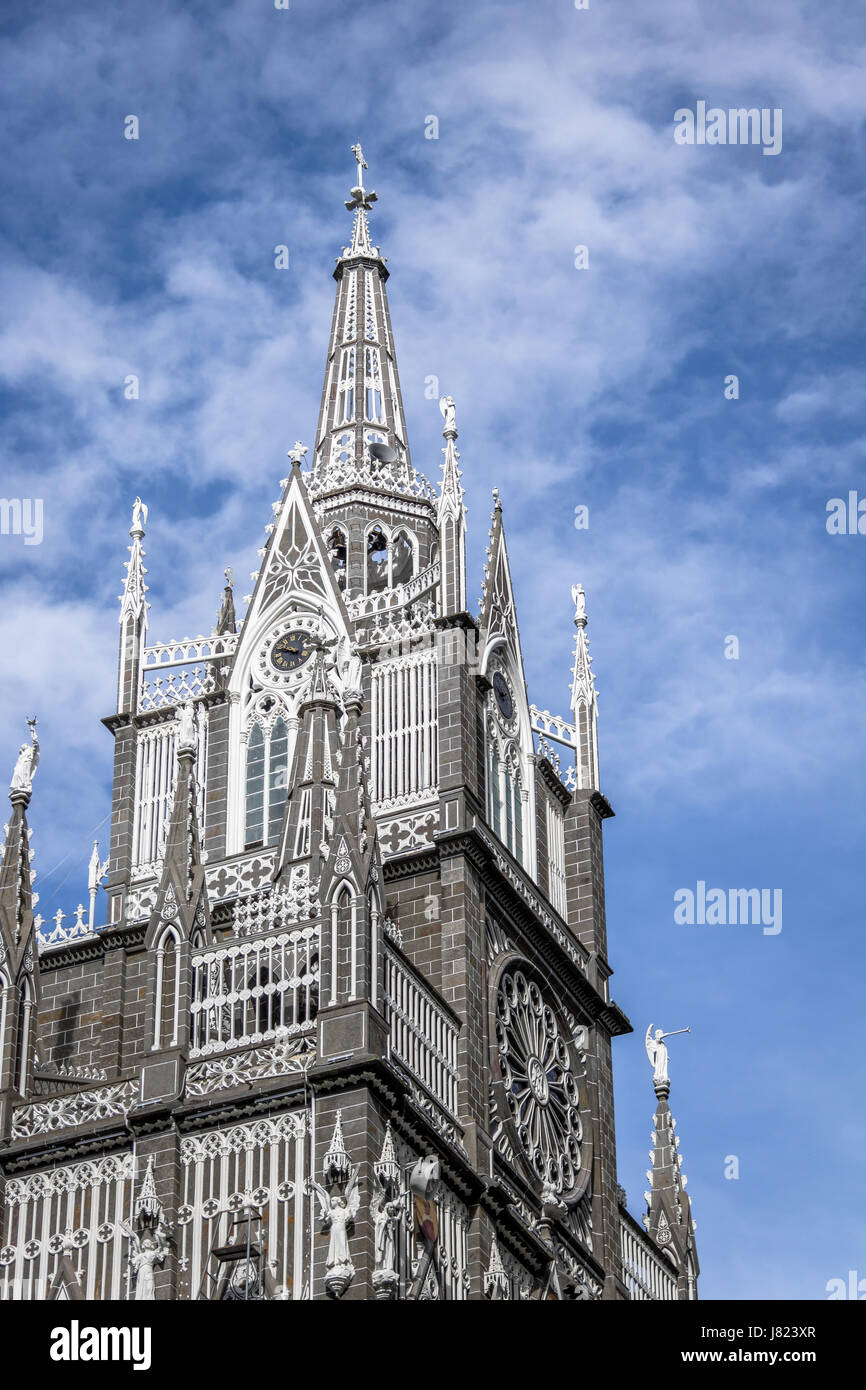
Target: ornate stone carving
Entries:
(283, 1057)
(77, 1108)
(538, 1086)
(338, 1207)
(388, 1212)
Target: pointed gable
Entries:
(498, 617)
(295, 570)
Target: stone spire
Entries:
(226, 618)
(19, 974)
(668, 1218)
(361, 436)
(16, 903)
(584, 699)
(309, 812)
(451, 520)
(336, 1166)
(133, 616)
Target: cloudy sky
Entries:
(601, 387)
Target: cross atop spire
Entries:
(361, 434)
(360, 198)
(360, 201)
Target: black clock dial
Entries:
(503, 695)
(291, 651)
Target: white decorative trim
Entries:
(283, 1057)
(74, 1109)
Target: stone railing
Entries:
(423, 1036)
(188, 651)
(645, 1272)
(179, 685)
(370, 605)
(254, 990)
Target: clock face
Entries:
(291, 651)
(503, 695)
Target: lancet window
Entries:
(505, 792)
(346, 390)
(373, 403)
(267, 780)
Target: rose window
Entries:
(541, 1091)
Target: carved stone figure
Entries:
(338, 1211)
(387, 1213)
(148, 1250)
(139, 517)
(27, 763)
(449, 415)
(187, 739)
(657, 1053)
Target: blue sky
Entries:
(602, 387)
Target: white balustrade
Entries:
(645, 1272)
(253, 990)
(423, 1036)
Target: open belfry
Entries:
(335, 1020)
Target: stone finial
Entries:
(387, 1169)
(496, 1279)
(148, 1207)
(336, 1167)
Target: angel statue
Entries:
(657, 1053)
(449, 414)
(139, 516)
(146, 1250)
(27, 762)
(338, 1211)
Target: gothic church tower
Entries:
(346, 1030)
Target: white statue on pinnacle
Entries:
(27, 763)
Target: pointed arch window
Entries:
(349, 325)
(391, 559)
(25, 1026)
(377, 560)
(402, 558)
(505, 794)
(373, 401)
(369, 309)
(5, 1002)
(346, 390)
(267, 782)
(338, 554)
(166, 1008)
